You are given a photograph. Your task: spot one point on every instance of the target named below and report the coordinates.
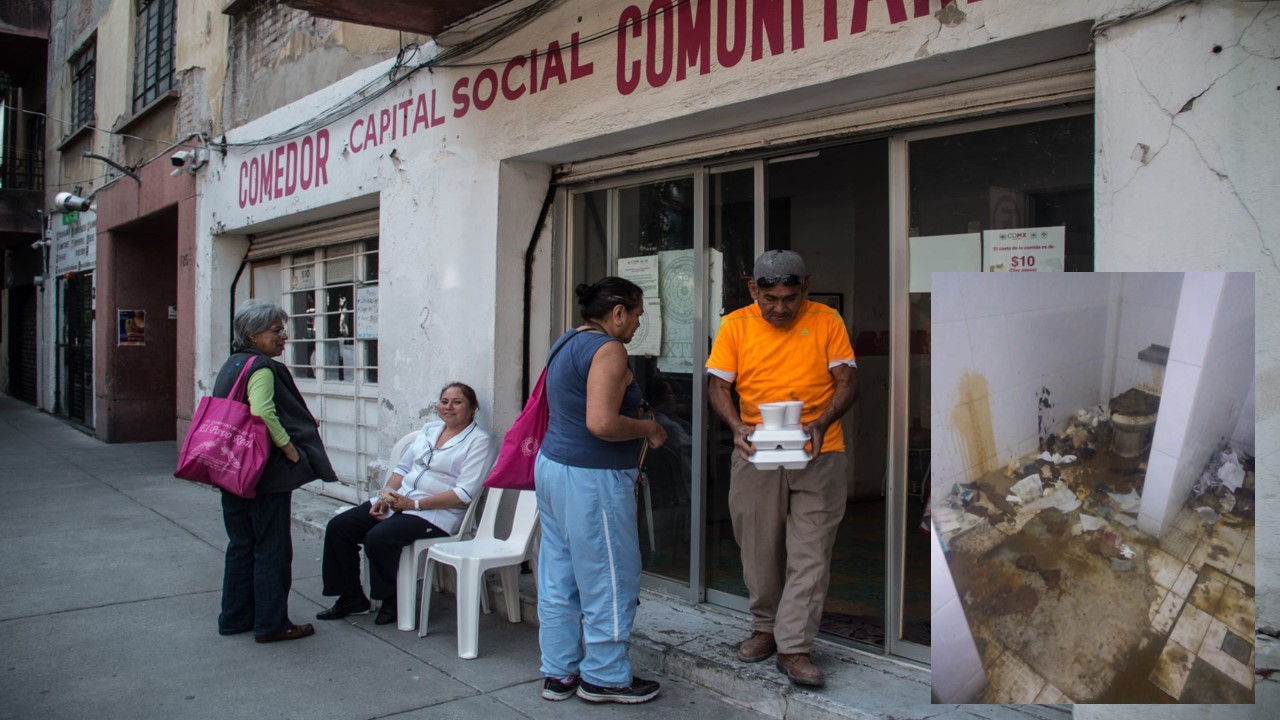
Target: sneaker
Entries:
(557, 689)
(640, 691)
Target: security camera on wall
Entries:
(70, 202)
(180, 158)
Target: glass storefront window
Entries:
(324, 341)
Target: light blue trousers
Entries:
(588, 571)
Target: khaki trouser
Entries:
(785, 521)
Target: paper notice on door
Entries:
(677, 311)
(1041, 249)
(642, 271)
(942, 253)
(648, 337)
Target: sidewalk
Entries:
(112, 573)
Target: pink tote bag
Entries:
(226, 445)
(513, 469)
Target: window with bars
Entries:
(331, 296)
(153, 51)
(84, 65)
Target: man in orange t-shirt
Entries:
(785, 347)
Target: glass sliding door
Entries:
(645, 233)
(733, 238)
(849, 209)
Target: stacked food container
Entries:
(779, 440)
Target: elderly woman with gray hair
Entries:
(259, 564)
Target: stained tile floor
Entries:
(1056, 622)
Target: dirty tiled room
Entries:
(1092, 489)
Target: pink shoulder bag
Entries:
(226, 445)
(513, 469)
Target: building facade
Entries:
(112, 313)
(424, 220)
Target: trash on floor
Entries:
(1129, 502)
(1089, 523)
(1028, 489)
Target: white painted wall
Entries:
(1021, 333)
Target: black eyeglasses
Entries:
(784, 280)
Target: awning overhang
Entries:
(424, 17)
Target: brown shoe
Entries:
(800, 669)
(757, 647)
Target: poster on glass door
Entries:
(643, 271)
(676, 284)
(1024, 249)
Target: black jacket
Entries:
(280, 475)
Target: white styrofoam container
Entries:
(774, 459)
(788, 438)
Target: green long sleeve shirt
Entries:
(262, 402)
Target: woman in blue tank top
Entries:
(589, 560)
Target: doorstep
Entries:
(698, 644)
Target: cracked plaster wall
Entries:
(1186, 179)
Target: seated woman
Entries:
(437, 478)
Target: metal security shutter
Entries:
(78, 350)
(305, 237)
(22, 353)
(1048, 84)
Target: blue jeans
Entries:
(588, 571)
(259, 568)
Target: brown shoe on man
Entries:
(757, 647)
(800, 669)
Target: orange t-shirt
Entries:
(773, 365)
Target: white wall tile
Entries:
(989, 343)
(942, 589)
(1177, 401)
(946, 303)
(1159, 326)
(956, 661)
(1158, 491)
(957, 658)
(1243, 435)
(1024, 342)
(1126, 375)
(984, 294)
(1128, 339)
(1197, 306)
(1158, 289)
(952, 359)
(1007, 423)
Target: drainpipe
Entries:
(528, 289)
(231, 311)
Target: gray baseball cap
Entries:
(778, 264)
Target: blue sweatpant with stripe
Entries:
(588, 571)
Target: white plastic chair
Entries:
(411, 561)
(471, 558)
(411, 557)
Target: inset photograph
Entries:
(1092, 491)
